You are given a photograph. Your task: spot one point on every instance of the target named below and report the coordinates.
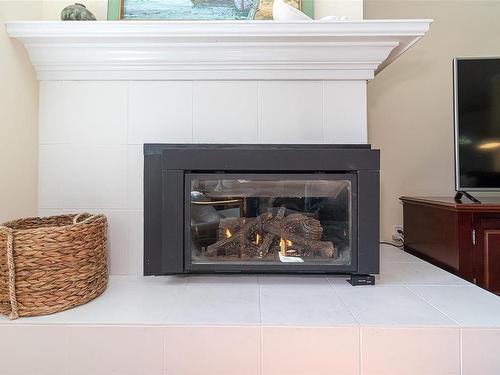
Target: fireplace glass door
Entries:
(271, 220)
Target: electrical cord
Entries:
(402, 240)
(399, 246)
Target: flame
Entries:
(282, 246)
(228, 233)
(257, 239)
(288, 243)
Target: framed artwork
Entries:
(199, 9)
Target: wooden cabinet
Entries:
(463, 238)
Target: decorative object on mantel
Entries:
(200, 9)
(285, 12)
(77, 12)
(52, 263)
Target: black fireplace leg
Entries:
(357, 279)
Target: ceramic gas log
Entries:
(268, 236)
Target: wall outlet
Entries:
(397, 231)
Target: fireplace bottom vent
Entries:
(261, 208)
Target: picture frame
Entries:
(117, 11)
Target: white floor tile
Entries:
(75, 112)
(480, 351)
(301, 301)
(212, 350)
(224, 300)
(470, 306)
(225, 112)
(160, 112)
(390, 306)
(389, 254)
(410, 351)
(310, 351)
(290, 112)
(116, 350)
(29, 350)
(420, 273)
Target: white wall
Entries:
(91, 137)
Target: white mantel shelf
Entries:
(215, 50)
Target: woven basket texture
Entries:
(57, 263)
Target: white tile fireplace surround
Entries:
(106, 88)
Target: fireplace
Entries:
(261, 208)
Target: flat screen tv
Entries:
(477, 123)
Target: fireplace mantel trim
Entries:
(215, 50)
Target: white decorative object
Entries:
(334, 18)
(284, 12)
(220, 50)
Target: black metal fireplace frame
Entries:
(167, 165)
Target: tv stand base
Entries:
(460, 194)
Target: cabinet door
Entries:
(488, 254)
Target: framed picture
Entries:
(199, 9)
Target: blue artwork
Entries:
(190, 9)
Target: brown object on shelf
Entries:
(301, 231)
(463, 238)
(51, 264)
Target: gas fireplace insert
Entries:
(261, 209)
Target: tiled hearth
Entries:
(272, 325)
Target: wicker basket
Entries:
(51, 264)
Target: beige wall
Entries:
(18, 117)
(352, 9)
(410, 102)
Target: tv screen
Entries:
(477, 123)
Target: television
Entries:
(476, 92)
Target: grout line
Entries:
(360, 340)
(342, 300)
(260, 302)
(432, 305)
